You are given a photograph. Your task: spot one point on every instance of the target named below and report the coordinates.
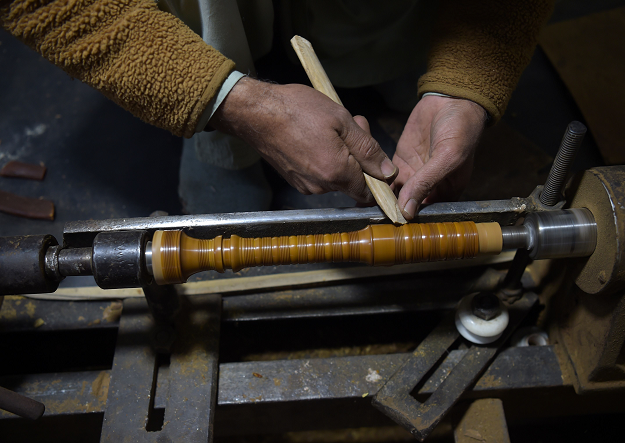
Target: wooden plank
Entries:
(381, 190)
(589, 55)
(482, 420)
(311, 64)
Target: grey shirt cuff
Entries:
(438, 94)
(214, 104)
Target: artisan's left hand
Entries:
(435, 152)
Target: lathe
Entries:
(497, 333)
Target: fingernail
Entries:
(410, 207)
(388, 168)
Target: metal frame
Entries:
(163, 382)
(297, 222)
(420, 418)
(252, 397)
(189, 402)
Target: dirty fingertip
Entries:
(388, 169)
(410, 208)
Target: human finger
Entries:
(367, 152)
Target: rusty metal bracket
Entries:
(538, 206)
(395, 399)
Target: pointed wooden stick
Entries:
(381, 190)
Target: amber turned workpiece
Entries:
(176, 256)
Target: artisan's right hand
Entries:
(313, 143)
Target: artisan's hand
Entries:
(314, 143)
(435, 151)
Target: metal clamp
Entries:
(395, 399)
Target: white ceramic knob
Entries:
(476, 329)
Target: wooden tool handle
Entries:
(381, 190)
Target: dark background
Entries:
(104, 163)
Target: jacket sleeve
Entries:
(480, 48)
(143, 59)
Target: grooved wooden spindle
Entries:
(176, 256)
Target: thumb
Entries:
(421, 185)
(363, 123)
(367, 152)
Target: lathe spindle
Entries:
(176, 256)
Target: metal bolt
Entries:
(571, 142)
(486, 306)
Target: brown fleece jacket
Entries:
(480, 48)
(144, 59)
(151, 64)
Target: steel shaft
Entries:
(554, 234)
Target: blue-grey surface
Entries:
(102, 162)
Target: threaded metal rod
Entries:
(571, 142)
